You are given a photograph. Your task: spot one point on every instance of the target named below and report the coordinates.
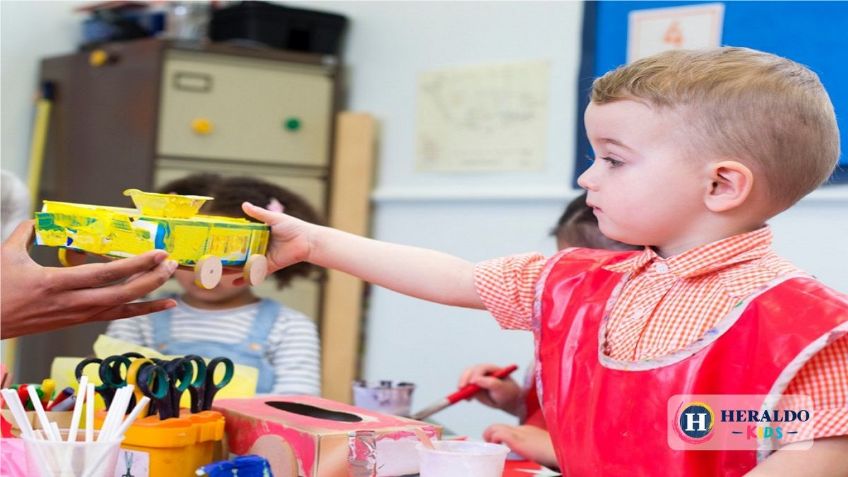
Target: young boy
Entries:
(695, 151)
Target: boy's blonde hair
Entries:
(770, 112)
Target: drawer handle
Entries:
(202, 126)
(193, 82)
(292, 124)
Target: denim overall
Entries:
(250, 352)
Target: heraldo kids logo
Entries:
(695, 422)
(738, 422)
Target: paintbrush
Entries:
(463, 393)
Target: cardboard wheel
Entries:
(255, 269)
(208, 271)
(278, 452)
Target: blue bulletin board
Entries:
(811, 33)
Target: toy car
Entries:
(160, 221)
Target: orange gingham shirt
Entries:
(667, 304)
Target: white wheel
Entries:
(255, 269)
(208, 271)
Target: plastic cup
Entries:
(462, 459)
(71, 459)
(395, 400)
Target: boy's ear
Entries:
(730, 185)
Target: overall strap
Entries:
(266, 317)
(161, 323)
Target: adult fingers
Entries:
(122, 293)
(134, 309)
(94, 275)
(22, 235)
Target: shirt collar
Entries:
(705, 258)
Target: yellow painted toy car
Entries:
(160, 221)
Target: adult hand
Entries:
(531, 442)
(36, 298)
(504, 394)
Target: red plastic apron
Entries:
(609, 417)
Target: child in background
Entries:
(576, 227)
(695, 151)
(229, 320)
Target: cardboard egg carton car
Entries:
(207, 244)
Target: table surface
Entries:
(513, 468)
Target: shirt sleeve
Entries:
(295, 353)
(825, 379)
(133, 330)
(507, 286)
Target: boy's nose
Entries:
(586, 179)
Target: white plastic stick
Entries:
(119, 434)
(55, 426)
(75, 417)
(116, 412)
(18, 412)
(42, 416)
(110, 416)
(89, 412)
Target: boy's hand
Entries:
(504, 394)
(531, 442)
(289, 242)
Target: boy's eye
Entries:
(612, 162)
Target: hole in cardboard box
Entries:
(312, 411)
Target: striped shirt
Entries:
(292, 349)
(669, 303)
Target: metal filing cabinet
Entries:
(155, 110)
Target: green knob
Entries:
(292, 124)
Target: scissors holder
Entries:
(174, 447)
(308, 436)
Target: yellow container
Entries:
(175, 447)
(166, 205)
(210, 433)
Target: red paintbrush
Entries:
(464, 393)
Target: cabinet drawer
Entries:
(312, 188)
(244, 109)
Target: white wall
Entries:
(30, 31)
(475, 216)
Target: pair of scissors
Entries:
(112, 371)
(180, 376)
(151, 380)
(203, 388)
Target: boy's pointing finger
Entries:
(259, 213)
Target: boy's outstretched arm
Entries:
(417, 272)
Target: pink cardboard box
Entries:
(308, 436)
